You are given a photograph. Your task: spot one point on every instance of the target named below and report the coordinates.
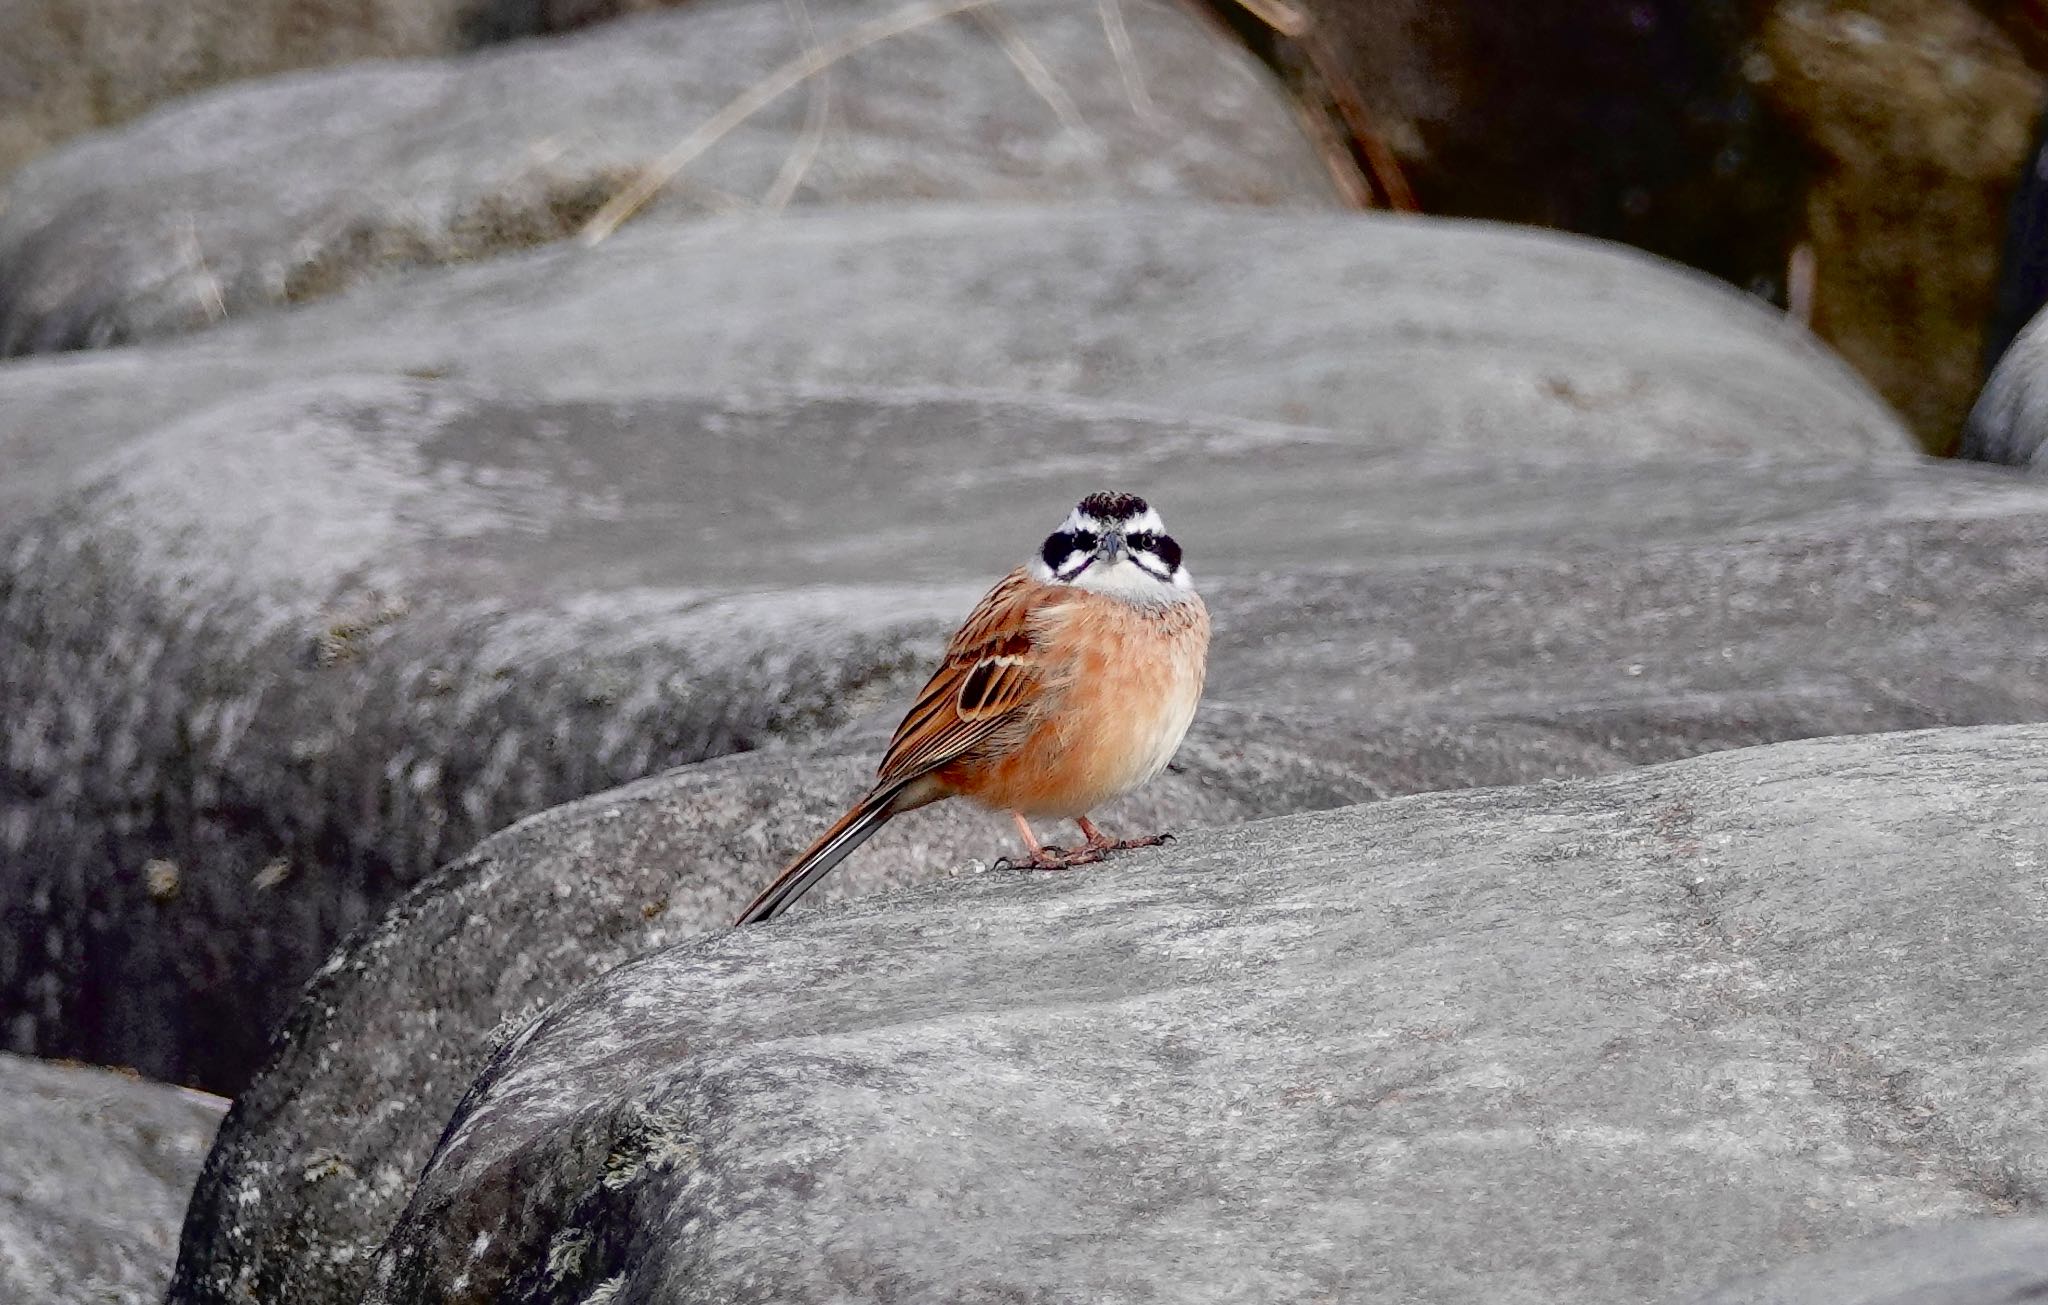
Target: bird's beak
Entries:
(1110, 549)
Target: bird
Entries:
(1072, 682)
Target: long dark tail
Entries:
(854, 828)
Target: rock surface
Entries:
(1611, 1040)
(286, 627)
(1460, 334)
(67, 66)
(289, 190)
(1730, 604)
(94, 1171)
(1968, 1262)
(2010, 422)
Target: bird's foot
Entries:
(1102, 843)
(1053, 858)
(1149, 840)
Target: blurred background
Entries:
(480, 478)
(1879, 146)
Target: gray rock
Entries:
(323, 625)
(1457, 335)
(1603, 1041)
(1733, 604)
(2010, 420)
(281, 660)
(94, 1170)
(1968, 1262)
(629, 873)
(288, 190)
(68, 66)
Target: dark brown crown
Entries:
(1112, 508)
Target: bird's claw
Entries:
(1053, 858)
(1094, 850)
(1128, 844)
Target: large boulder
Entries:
(1611, 1041)
(67, 66)
(1381, 630)
(1905, 275)
(94, 1171)
(288, 190)
(283, 627)
(1489, 338)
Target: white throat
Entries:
(1127, 580)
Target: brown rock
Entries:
(1627, 119)
(1884, 135)
(1920, 116)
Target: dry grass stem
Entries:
(1379, 156)
(1119, 37)
(816, 119)
(1035, 73)
(1384, 168)
(762, 93)
(1337, 157)
(1282, 17)
(1802, 270)
(210, 298)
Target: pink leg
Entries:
(1030, 839)
(1096, 838)
(1051, 858)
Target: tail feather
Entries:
(854, 828)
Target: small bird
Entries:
(1071, 683)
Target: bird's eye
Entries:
(1085, 540)
(1142, 542)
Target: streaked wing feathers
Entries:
(986, 681)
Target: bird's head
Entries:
(1114, 544)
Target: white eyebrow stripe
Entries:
(1146, 522)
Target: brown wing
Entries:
(988, 681)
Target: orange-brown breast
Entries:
(1121, 684)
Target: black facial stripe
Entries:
(1162, 547)
(1062, 547)
(1067, 553)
